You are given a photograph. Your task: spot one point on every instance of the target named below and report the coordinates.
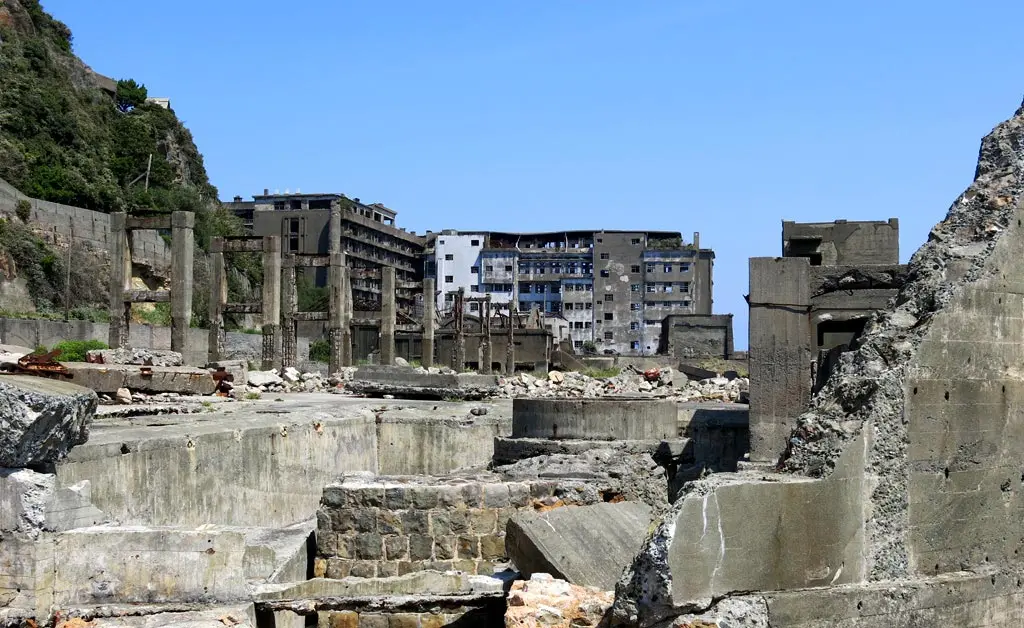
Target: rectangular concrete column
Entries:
(459, 346)
(120, 276)
(218, 297)
(780, 351)
(510, 347)
(485, 337)
(289, 305)
(346, 317)
(334, 229)
(388, 312)
(182, 245)
(271, 309)
(429, 323)
(336, 310)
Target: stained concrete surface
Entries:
(585, 545)
(599, 418)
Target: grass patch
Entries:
(602, 373)
(75, 350)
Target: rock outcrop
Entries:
(544, 601)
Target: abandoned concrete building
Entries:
(806, 308)
(370, 241)
(612, 288)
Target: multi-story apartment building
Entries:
(369, 239)
(613, 288)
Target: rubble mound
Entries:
(655, 382)
(293, 380)
(544, 601)
(141, 357)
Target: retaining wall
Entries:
(92, 228)
(388, 527)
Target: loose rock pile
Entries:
(292, 380)
(544, 601)
(655, 382)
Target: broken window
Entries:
(608, 335)
(604, 273)
(609, 297)
(474, 242)
(449, 279)
(609, 316)
(652, 287)
(684, 287)
(296, 204)
(668, 288)
(605, 255)
(474, 269)
(449, 257)
(590, 306)
(650, 268)
(449, 297)
(635, 345)
(684, 268)
(489, 268)
(556, 288)
(474, 307)
(508, 269)
(634, 307)
(668, 268)
(586, 324)
(635, 268)
(635, 241)
(577, 344)
(634, 326)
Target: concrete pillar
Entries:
(120, 276)
(336, 309)
(429, 322)
(387, 315)
(780, 351)
(289, 305)
(182, 246)
(218, 297)
(346, 317)
(485, 338)
(271, 302)
(334, 229)
(510, 347)
(459, 346)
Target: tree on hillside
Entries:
(130, 95)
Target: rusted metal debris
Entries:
(224, 382)
(42, 364)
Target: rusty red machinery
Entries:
(44, 364)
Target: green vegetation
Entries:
(320, 351)
(75, 350)
(159, 314)
(602, 373)
(23, 210)
(589, 347)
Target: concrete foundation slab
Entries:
(584, 545)
(599, 418)
(411, 383)
(107, 378)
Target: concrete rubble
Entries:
(545, 601)
(660, 383)
(293, 380)
(562, 542)
(136, 356)
(42, 419)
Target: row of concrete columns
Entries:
(278, 305)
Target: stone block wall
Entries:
(391, 527)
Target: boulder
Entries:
(562, 542)
(264, 378)
(42, 419)
(399, 361)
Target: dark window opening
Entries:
(805, 248)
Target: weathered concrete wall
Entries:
(697, 336)
(594, 419)
(262, 469)
(34, 333)
(415, 444)
(393, 526)
(91, 228)
(846, 242)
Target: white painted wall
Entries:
(465, 255)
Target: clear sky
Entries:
(718, 116)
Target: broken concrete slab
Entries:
(30, 503)
(585, 545)
(544, 601)
(135, 565)
(108, 378)
(279, 554)
(135, 356)
(409, 383)
(42, 419)
(424, 583)
(237, 616)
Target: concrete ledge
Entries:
(107, 378)
(410, 383)
(604, 418)
(512, 450)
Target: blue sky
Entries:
(723, 117)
